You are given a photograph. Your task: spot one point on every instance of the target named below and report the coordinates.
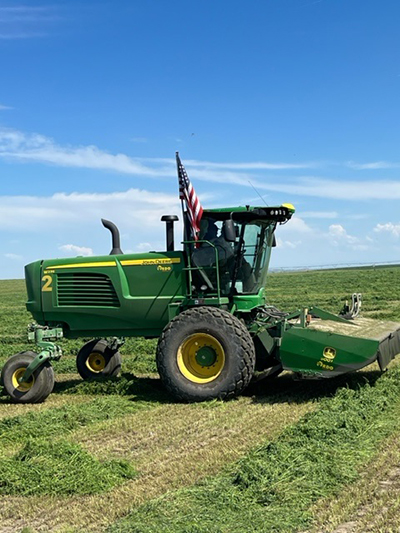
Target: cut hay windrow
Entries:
(273, 487)
(146, 436)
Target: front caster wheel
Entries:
(96, 359)
(38, 386)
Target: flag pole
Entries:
(178, 161)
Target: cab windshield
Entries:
(241, 259)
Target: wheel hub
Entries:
(206, 356)
(22, 386)
(201, 358)
(96, 362)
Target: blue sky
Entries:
(299, 97)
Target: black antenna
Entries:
(258, 193)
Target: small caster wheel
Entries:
(96, 359)
(38, 386)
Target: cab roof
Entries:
(249, 213)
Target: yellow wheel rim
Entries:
(96, 362)
(201, 358)
(25, 386)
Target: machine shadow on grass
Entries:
(282, 389)
(287, 389)
(141, 388)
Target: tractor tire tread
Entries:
(233, 327)
(114, 360)
(44, 379)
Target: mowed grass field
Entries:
(122, 456)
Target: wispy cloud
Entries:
(374, 165)
(13, 257)
(136, 208)
(287, 244)
(249, 165)
(25, 22)
(34, 147)
(18, 146)
(355, 190)
(73, 249)
(5, 107)
(21, 35)
(258, 165)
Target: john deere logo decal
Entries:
(326, 361)
(329, 353)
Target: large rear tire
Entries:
(95, 359)
(205, 353)
(36, 389)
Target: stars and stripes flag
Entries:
(188, 195)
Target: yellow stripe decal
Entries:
(145, 262)
(83, 265)
(126, 262)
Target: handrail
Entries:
(190, 267)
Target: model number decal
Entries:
(47, 281)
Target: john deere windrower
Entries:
(207, 305)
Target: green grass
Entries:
(52, 468)
(273, 487)
(330, 288)
(276, 486)
(57, 423)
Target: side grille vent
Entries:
(86, 290)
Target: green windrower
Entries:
(207, 305)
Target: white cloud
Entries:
(72, 249)
(280, 243)
(5, 107)
(34, 147)
(339, 235)
(389, 227)
(139, 139)
(375, 165)
(25, 22)
(14, 257)
(258, 165)
(337, 189)
(143, 247)
(18, 146)
(295, 225)
(20, 35)
(136, 209)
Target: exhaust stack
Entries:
(169, 221)
(116, 244)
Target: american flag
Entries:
(188, 194)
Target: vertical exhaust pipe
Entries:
(116, 243)
(169, 221)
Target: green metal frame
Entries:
(49, 351)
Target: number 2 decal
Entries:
(48, 280)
